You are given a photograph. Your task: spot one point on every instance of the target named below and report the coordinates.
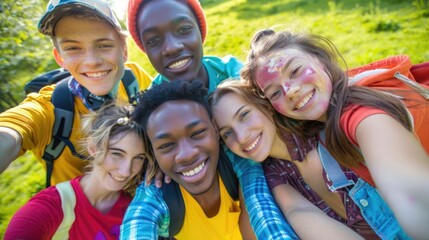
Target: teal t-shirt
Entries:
(218, 69)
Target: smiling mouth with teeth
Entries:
(304, 101)
(97, 74)
(253, 145)
(179, 64)
(194, 171)
(119, 179)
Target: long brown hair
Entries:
(267, 41)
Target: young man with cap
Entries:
(171, 33)
(89, 43)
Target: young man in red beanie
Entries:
(171, 33)
(88, 41)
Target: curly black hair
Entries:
(151, 99)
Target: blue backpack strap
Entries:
(332, 168)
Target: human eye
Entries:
(70, 49)
(184, 29)
(274, 95)
(295, 72)
(116, 154)
(226, 134)
(106, 46)
(152, 41)
(244, 114)
(198, 133)
(165, 146)
(141, 157)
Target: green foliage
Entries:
(387, 26)
(18, 183)
(22, 48)
(363, 31)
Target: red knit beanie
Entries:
(133, 10)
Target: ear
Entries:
(58, 58)
(91, 148)
(125, 53)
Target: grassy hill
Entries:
(363, 31)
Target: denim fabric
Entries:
(376, 212)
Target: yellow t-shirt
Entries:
(34, 120)
(197, 225)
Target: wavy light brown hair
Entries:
(268, 41)
(102, 127)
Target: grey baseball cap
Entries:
(59, 8)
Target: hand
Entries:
(158, 179)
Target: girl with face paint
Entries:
(367, 130)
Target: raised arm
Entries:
(9, 148)
(265, 217)
(147, 216)
(400, 168)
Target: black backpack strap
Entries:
(228, 175)
(63, 101)
(130, 84)
(176, 206)
(45, 79)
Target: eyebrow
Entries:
(167, 135)
(174, 21)
(75, 41)
(286, 66)
(116, 149)
(235, 115)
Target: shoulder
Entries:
(141, 75)
(39, 218)
(227, 61)
(353, 115)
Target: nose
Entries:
(125, 168)
(172, 46)
(92, 58)
(187, 152)
(242, 134)
(291, 92)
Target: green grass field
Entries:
(363, 31)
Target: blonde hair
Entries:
(111, 122)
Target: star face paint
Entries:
(295, 83)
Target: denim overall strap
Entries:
(376, 212)
(372, 206)
(331, 166)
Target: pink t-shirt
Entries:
(41, 216)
